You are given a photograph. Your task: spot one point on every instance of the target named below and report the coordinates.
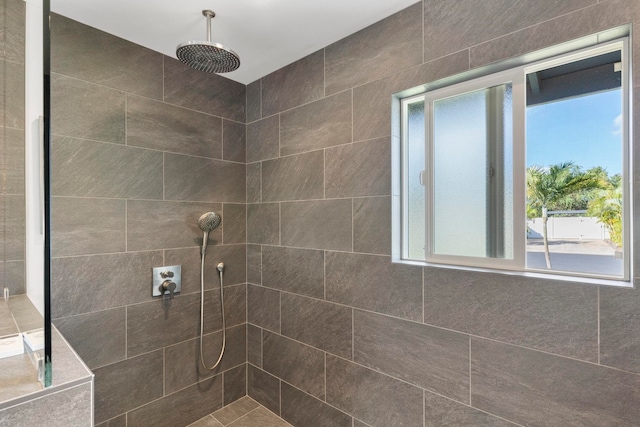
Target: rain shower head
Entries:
(207, 56)
(209, 221)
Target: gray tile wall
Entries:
(336, 334)
(405, 345)
(140, 150)
(12, 228)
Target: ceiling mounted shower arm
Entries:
(209, 14)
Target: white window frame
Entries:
(516, 76)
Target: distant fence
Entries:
(580, 227)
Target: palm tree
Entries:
(607, 207)
(552, 186)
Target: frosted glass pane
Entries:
(471, 206)
(460, 184)
(415, 160)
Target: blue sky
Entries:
(585, 130)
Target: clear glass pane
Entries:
(415, 191)
(574, 167)
(472, 184)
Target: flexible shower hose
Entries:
(224, 338)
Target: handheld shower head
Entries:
(208, 222)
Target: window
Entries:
(525, 170)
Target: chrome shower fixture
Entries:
(207, 56)
(207, 223)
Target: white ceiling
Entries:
(267, 34)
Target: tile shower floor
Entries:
(244, 412)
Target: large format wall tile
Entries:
(374, 283)
(297, 177)
(392, 44)
(190, 258)
(92, 55)
(428, 357)
(254, 183)
(234, 258)
(254, 345)
(120, 421)
(234, 141)
(317, 125)
(300, 409)
(12, 93)
(379, 400)
(13, 31)
(107, 170)
(441, 412)
(293, 270)
(321, 224)
(263, 139)
(321, 324)
(234, 229)
(254, 264)
(12, 224)
(536, 313)
(125, 385)
(295, 363)
(235, 305)
(87, 226)
(584, 22)
(81, 332)
(264, 388)
(160, 126)
(185, 406)
(184, 368)
(66, 408)
(209, 93)
(14, 276)
(157, 225)
(620, 328)
(263, 223)
(443, 22)
(199, 179)
(163, 322)
(372, 225)
(84, 110)
(13, 148)
(235, 383)
(263, 307)
(254, 101)
(293, 85)
(98, 282)
(538, 389)
(372, 102)
(360, 169)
